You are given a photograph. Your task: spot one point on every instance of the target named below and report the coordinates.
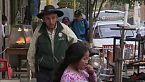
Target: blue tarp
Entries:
(35, 7)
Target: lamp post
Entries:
(119, 56)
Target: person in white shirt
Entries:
(4, 21)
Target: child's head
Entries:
(77, 55)
(78, 14)
(66, 20)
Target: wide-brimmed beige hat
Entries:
(49, 9)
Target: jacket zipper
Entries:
(40, 61)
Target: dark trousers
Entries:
(44, 75)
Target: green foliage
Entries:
(122, 1)
(81, 5)
(125, 1)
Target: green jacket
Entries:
(40, 49)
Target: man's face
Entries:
(78, 17)
(50, 20)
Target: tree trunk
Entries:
(92, 20)
(90, 24)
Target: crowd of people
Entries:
(79, 25)
(55, 54)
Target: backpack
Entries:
(84, 21)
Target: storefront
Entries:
(17, 13)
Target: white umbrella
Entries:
(68, 12)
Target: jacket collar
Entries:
(43, 28)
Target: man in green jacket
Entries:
(48, 45)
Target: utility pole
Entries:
(119, 55)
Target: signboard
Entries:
(64, 3)
(111, 46)
(128, 50)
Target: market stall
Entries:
(16, 54)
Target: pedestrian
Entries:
(66, 21)
(4, 21)
(48, 44)
(4, 25)
(75, 67)
(80, 25)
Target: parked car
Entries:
(110, 19)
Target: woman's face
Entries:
(66, 22)
(84, 61)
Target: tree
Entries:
(92, 7)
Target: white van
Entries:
(110, 19)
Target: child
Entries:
(74, 67)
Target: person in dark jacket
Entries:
(48, 45)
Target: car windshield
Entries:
(105, 31)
